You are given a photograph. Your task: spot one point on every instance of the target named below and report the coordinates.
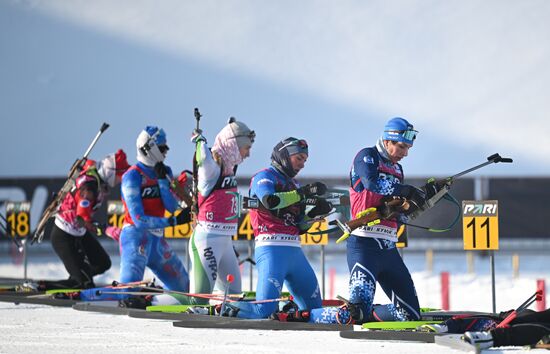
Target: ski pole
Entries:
(199, 295)
(144, 293)
(229, 279)
(269, 300)
(535, 297)
(139, 283)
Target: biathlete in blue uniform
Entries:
(146, 195)
(372, 256)
(277, 224)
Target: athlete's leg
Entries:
(167, 266)
(363, 256)
(395, 278)
(271, 263)
(67, 247)
(133, 254)
(228, 264)
(100, 262)
(204, 263)
(301, 280)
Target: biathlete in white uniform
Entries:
(211, 245)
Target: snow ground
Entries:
(44, 329)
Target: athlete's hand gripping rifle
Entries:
(444, 185)
(372, 216)
(243, 202)
(51, 209)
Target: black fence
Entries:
(523, 211)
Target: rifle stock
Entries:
(373, 216)
(363, 220)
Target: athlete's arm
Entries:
(208, 169)
(364, 173)
(263, 187)
(85, 198)
(168, 198)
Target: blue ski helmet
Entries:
(398, 129)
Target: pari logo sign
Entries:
(480, 224)
(473, 208)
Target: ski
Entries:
(261, 324)
(440, 316)
(172, 308)
(455, 341)
(6, 281)
(395, 325)
(107, 307)
(169, 316)
(409, 336)
(43, 299)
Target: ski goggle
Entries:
(402, 136)
(295, 147)
(250, 135)
(163, 148)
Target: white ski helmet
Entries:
(151, 146)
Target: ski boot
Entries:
(433, 328)
(136, 302)
(27, 287)
(201, 310)
(290, 313)
(349, 313)
(481, 340)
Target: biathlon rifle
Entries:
(444, 185)
(245, 203)
(372, 216)
(389, 209)
(69, 184)
(195, 189)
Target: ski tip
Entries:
(104, 127)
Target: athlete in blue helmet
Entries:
(376, 176)
(146, 195)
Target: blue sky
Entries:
(472, 76)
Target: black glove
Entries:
(322, 207)
(415, 196)
(432, 187)
(312, 189)
(182, 218)
(161, 170)
(391, 206)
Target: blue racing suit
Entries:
(371, 251)
(279, 256)
(141, 241)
